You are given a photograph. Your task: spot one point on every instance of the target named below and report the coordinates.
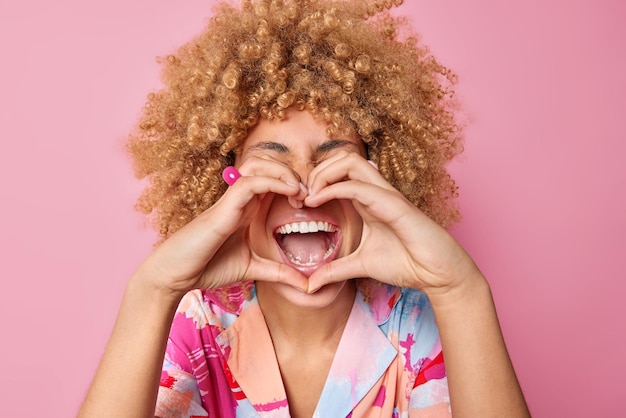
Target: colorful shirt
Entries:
(221, 362)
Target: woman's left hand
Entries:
(399, 245)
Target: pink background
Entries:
(542, 184)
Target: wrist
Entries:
(471, 287)
(146, 283)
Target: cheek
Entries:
(354, 226)
(260, 241)
(260, 238)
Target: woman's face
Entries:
(303, 238)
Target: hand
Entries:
(213, 250)
(399, 244)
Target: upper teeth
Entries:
(306, 227)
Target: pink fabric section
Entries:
(223, 363)
(251, 359)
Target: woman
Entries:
(320, 281)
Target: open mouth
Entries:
(306, 245)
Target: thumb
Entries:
(262, 269)
(339, 270)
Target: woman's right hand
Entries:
(213, 249)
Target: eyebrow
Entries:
(332, 144)
(269, 146)
(322, 148)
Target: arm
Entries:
(127, 380)
(209, 252)
(422, 255)
(481, 378)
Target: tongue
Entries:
(306, 248)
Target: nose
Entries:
(302, 169)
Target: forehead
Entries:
(298, 131)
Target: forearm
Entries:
(126, 382)
(481, 378)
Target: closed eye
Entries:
(321, 152)
(333, 144)
(327, 147)
(269, 146)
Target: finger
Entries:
(295, 203)
(270, 271)
(230, 175)
(384, 203)
(249, 187)
(341, 269)
(265, 166)
(344, 166)
(231, 212)
(240, 200)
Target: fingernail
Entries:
(230, 175)
(373, 164)
(304, 189)
(295, 203)
(291, 184)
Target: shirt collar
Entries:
(363, 354)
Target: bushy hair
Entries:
(349, 62)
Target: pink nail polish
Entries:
(230, 175)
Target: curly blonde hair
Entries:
(349, 62)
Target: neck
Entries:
(301, 325)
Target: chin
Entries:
(324, 297)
